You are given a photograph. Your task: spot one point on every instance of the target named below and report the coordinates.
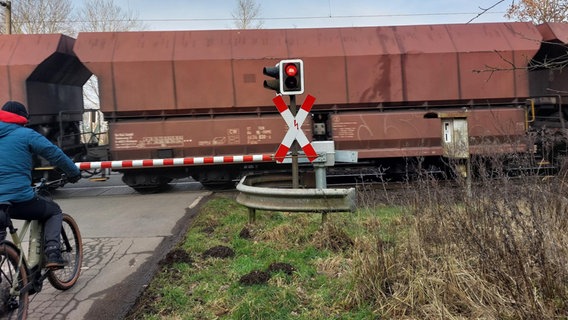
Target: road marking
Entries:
(195, 202)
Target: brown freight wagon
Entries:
(200, 93)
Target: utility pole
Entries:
(8, 15)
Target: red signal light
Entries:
(291, 70)
(291, 77)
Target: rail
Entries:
(273, 193)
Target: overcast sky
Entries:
(216, 14)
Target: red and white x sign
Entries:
(294, 128)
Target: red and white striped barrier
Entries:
(294, 131)
(145, 163)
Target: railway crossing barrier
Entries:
(169, 162)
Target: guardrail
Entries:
(273, 193)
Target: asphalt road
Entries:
(125, 235)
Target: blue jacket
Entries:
(18, 144)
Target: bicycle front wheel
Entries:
(72, 251)
(13, 300)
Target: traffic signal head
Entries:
(291, 73)
(273, 72)
(288, 77)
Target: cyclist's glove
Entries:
(74, 179)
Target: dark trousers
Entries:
(44, 210)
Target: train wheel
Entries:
(217, 179)
(149, 189)
(146, 183)
(218, 185)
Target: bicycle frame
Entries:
(34, 256)
(31, 262)
(35, 249)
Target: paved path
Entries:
(124, 236)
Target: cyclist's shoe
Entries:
(54, 259)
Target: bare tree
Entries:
(105, 15)
(539, 11)
(247, 14)
(59, 16)
(42, 16)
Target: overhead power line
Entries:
(309, 17)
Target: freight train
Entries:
(176, 94)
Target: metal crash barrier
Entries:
(256, 197)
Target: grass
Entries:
(499, 252)
(209, 288)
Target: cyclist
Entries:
(18, 145)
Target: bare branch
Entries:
(483, 11)
(42, 16)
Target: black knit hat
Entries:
(15, 107)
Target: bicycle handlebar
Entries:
(44, 184)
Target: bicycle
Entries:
(21, 275)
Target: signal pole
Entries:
(288, 80)
(8, 15)
(294, 149)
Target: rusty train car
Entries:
(199, 93)
(43, 72)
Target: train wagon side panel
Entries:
(220, 72)
(197, 137)
(372, 134)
